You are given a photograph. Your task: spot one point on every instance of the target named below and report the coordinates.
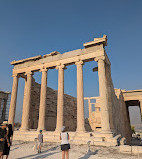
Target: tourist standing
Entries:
(8, 142)
(40, 141)
(3, 137)
(65, 146)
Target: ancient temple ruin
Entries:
(109, 123)
(4, 105)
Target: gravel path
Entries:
(25, 150)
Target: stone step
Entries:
(75, 138)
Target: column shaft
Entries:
(60, 100)
(26, 103)
(42, 109)
(4, 110)
(103, 89)
(90, 107)
(141, 108)
(13, 100)
(80, 98)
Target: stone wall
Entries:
(118, 111)
(121, 117)
(70, 109)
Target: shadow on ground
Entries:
(86, 156)
(43, 154)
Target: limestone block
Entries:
(125, 149)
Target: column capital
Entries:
(61, 66)
(43, 70)
(29, 73)
(15, 75)
(79, 63)
(100, 58)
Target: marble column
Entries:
(141, 108)
(80, 98)
(60, 100)
(103, 90)
(13, 99)
(26, 102)
(4, 110)
(42, 108)
(90, 107)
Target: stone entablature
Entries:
(4, 95)
(132, 95)
(38, 62)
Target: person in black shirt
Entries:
(8, 141)
(3, 137)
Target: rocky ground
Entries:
(25, 150)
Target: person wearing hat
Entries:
(40, 141)
(3, 137)
(65, 146)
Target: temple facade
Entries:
(109, 123)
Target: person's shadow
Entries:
(42, 154)
(86, 156)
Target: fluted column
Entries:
(103, 89)
(42, 109)
(80, 98)
(26, 102)
(13, 99)
(60, 100)
(4, 110)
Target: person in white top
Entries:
(65, 146)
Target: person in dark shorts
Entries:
(8, 141)
(65, 146)
(3, 137)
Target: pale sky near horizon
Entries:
(37, 27)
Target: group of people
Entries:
(6, 134)
(64, 137)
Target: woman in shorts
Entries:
(65, 146)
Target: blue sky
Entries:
(37, 27)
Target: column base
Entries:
(58, 130)
(80, 131)
(108, 133)
(24, 129)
